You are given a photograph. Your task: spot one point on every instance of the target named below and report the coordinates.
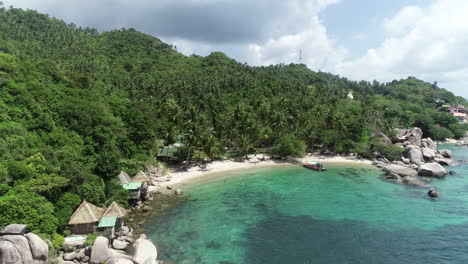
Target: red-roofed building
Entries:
(458, 112)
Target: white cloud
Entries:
(429, 43)
(403, 20)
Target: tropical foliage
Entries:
(77, 106)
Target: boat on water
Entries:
(314, 165)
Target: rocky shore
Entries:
(420, 159)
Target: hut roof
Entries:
(124, 177)
(107, 221)
(86, 213)
(140, 177)
(115, 210)
(132, 186)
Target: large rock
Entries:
(400, 170)
(145, 251)
(414, 136)
(385, 139)
(70, 256)
(413, 181)
(444, 161)
(118, 244)
(22, 246)
(446, 153)
(123, 261)
(428, 143)
(428, 153)
(8, 253)
(432, 169)
(13, 229)
(100, 252)
(39, 248)
(414, 154)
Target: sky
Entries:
(357, 39)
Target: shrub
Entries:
(57, 241)
(441, 133)
(289, 146)
(90, 240)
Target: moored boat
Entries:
(315, 165)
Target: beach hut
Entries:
(124, 178)
(114, 211)
(85, 218)
(134, 192)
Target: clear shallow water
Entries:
(294, 215)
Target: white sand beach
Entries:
(178, 177)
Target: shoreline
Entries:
(177, 177)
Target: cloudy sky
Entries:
(358, 39)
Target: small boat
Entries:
(315, 165)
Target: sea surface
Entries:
(294, 215)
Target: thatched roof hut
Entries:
(124, 178)
(85, 218)
(115, 210)
(140, 177)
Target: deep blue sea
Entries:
(294, 215)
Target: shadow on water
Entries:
(302, 239)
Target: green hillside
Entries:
(78, 106)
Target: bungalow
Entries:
(113, 218)
(136, 186)
(458, 112)
(85, 218)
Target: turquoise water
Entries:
(293, 215)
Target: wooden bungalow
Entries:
(134, 192)
(85, 218)
(113, 217)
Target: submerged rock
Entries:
(432, 193)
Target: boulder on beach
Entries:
(21, 245)
(145, 251)
(16, 247)
(428, 153)
(385, 139)
(432, 169)
(446, 153)
(118, 244)
(39, 248)
(444, 161)
(9, 253)
(100, 252)
(400, 170)
(13, 229)
(414, 136)
(414, 154)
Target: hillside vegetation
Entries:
(78, 106)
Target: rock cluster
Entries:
(420, 158)
(111, 251)
(19, 247)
